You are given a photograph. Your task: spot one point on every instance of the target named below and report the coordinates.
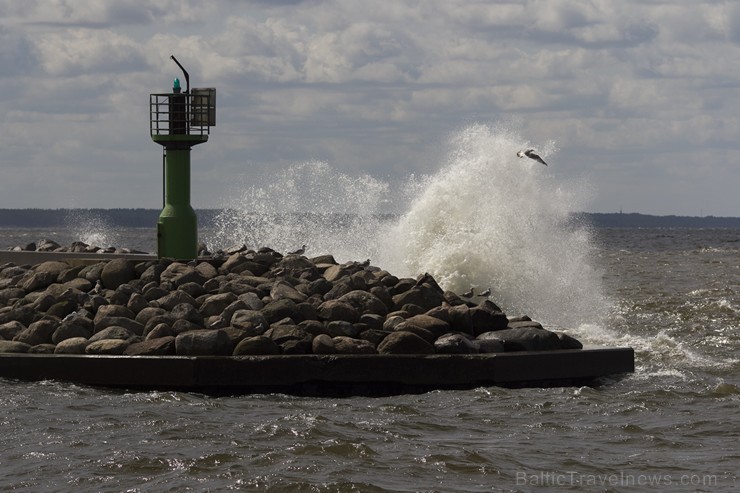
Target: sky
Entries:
(638, 98)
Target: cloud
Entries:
(371, 87)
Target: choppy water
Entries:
(673, 425)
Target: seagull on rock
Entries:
(531, 155)
(469, 294)
(487, 292)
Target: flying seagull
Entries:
(531, 155)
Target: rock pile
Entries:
(46, 245)
(248, 303)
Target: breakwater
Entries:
(248, 302)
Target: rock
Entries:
(113, 311)
(182, 325)
(341, 328)
(9, 330)
(42, 349)
(14, 347)
(217, 303)
(171, 300)
(158, 331)
(373, 321)
(338, 310)
(392, 322)
(179, 274)
(79, 283)
(349, 345)
(152, 347)
(73, 345)
(524, 339)
(186, 311)
(292, 339)
(375, 336)
(8, 294)
(280, 309)
(116, 272)
(365, 302)
(137, 303)
(26, 315)
(568, 342)
(404, 343)
(149, 312)
(203, 343)
(38, 332)
(250, 321)
(322, 344)
(282, 289)
(107, 346)
(460, 319)
(422, 296)
(485, 320)
(38, 280)
(489, 345)
(454, 344)
(419, 331)
(258, 345)
(75, 327)
(112, 332)
(434, 325)
(131, 325)
(62, 308)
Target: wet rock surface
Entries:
(247, 302)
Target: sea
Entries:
(481, 219)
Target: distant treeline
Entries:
(143, 218)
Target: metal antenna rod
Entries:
(187, 77)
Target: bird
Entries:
(486, 292)
(300, 251)
(469, 294)
(366, 263)
(98, 287)
(531, 155)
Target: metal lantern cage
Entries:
(190, 113)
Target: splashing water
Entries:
(491, 219)
(91, 228)
(311, 204)
(486, 219)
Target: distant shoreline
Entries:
(142, 218)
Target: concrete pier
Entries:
(325, 374)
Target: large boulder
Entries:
(524, 339)
(404, 343)
(203, 343)
(365, 302)
(423, 296)
(257, 345)
(455, 344)
(349, 345)
(73, 345)
(116, 272)
(107, 346)
(14, 347)
(74, 327)
(161, 346)
(38, 332)
(338, 310)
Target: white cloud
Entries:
(372, 87)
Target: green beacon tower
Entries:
(178, 121)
